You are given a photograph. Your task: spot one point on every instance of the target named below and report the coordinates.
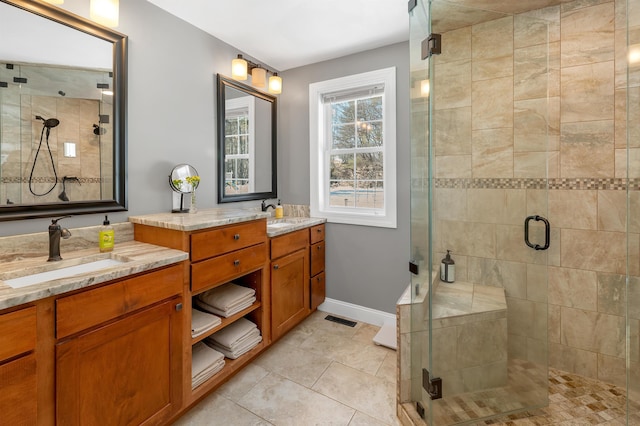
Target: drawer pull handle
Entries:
(236, 262)
(276, 266)
(236, 237)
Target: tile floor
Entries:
(320, 373)
(324, 373)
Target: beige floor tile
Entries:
(389, 368)
(364, 357)
(368, 394)
(218, 410)
(283, 403)
(243, 382)
(301, 366)
(361, 419)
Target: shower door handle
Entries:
(547, 232)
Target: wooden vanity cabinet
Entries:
(18, 378)
(237, 252)
(289, 281)
(119, 351)
(316, 254)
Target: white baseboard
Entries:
(357, 312)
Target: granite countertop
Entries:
(276, 227)
(204, 218)
(136, 257)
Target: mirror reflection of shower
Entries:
(47, 125)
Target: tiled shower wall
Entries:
(20, 137)
(503, 124)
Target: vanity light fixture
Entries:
(241, 67)
(105, 12)
(259, 76)
(275, 84)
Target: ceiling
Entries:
(286, 34)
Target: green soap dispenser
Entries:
(106, 237)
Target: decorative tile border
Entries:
(618, 184)
(17, 179)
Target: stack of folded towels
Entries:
(226, 300)
(202, 321)
(236, 339)
(205, 362)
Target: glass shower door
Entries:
(480, 135)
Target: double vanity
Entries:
(105, 338)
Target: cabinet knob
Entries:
(236, 237)
(318, 230)
(179, 307)
(276, 266)
(319, 247)
(236, 262)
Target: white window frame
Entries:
(319, 151)
(244, 106)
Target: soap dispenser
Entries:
(106, 237)
(279, 211)
(448, 269)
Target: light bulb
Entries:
(275, 84)
(259, 77)
(239, 68)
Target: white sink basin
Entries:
(68, 271)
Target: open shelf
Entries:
(226, 321)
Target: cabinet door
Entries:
(289, 291)
(124, 373)
(318, 291)
(18, 395)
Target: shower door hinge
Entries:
(431, 45)
(433, 386)
(413, 268)
(412, 4)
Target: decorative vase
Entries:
(193, 208)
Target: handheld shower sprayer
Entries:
(48, 124)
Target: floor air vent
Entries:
(340, 320)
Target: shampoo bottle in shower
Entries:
(106, 237)
(448, 269)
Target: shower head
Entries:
(97, 130)
(49, 123)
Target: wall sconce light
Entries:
(105, 12)
(240, 68)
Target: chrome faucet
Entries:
(55, 232)
(265, 206)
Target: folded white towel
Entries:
(237, 344)
(226, 295)
(207, 373)
(202, 321)
(224, 313)
(236, 353)
(203, 357)
(233, 332)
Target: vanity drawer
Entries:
(93, 307)
(17, 332)
(224, 240)
(317, 258)
(226, 267)
(288, 243)
(316, 233)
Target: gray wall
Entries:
(171, 120)
(171, 110)
(366, 266)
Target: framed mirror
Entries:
(63, 91)
(246, 142)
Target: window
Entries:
(238, 132)
(352, 149)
